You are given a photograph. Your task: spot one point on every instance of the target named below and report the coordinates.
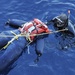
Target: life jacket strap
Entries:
(35, 27)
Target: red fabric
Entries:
(40, 26)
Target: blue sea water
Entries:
(54, 61)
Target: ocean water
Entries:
(53, 61)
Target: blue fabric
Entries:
(13, 51)
(40, 39)
(15, 23)
(39, 46)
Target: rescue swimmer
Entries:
(63, 21)
(15, 46)
(66, 38)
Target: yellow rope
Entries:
(16, 36)
(49, 32)
(22, 35)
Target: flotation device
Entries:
(34, 27)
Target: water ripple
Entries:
(38, 2)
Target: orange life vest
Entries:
(35, 27)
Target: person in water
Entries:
(66, 38)
(14, 46)
(63, 21)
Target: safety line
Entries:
(22, 35)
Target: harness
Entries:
(30, 28)
(29, 31)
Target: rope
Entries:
(14, 38)
(49, 32)
(22, 35)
